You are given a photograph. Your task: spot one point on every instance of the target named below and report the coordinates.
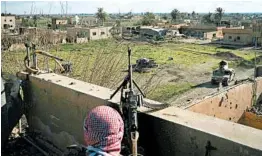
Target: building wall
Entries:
(237, 39)
(210, 35)
(198, 31)
(57, 22)
(9, 20)
(148, 31)
(228, 105)
(99, 33)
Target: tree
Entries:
(208, 18)
(193, 14)
(101, 15)
(148, 18)
(219, 14)
(174, 14)
(35, 20)
(165, 17)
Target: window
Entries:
(127, 28)
(102, 33)
(10, 20)
(238, 37)
(230, 37)
(223, 34)
(5, 20)
(11, 25)
(94, 33)
(5, 26)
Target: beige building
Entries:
(73, 34)
(235, 36)
(99, 33)
(198, 31)
(257, 32)
(58, 22)
(8, 22)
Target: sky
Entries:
(136, 6)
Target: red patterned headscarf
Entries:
(104, 129)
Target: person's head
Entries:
(104, 129)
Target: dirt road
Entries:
(205, 88)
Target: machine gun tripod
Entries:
(129, 101)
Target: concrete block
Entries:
(59, 105)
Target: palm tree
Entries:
(174, 14)
(193, 14)
(207, 18)
(101, 15)
(219, 13)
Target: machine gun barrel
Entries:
(130, 69)
(129, 102)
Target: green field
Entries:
(102, 62)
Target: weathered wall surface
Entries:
(174, 131)
(59, 105)
(251, 120)
(230, 104)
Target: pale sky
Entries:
(136, 6)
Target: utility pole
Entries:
(254, 101)
(5, 8)
(66, 7)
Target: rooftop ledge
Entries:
(214, 129)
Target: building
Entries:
(219, 33)
(152, 32)
(77, 35)
(88, 21)
(87, 34)
(257, 33)
(57, 23)
(197, 31)
(236, 36)
(8, 22)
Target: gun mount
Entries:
(129, 101)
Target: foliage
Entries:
(193, 14)
(35, 20)
(207, 18)
(101, 62)
(27, 23)
(165, 17)
(167, 91)
(218, 14)
(101, 15)
(175, 14)
(148, 18)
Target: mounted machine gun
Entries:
(129, 102)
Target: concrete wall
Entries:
(173, 131)
(210, 35)
(81, 40)
(59, 105)
(228, 105)
(237, 36)
(99, 33)
(244, 39)
(9, 20)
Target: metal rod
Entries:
(139, 89)
(33, 144)
(130, 69)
